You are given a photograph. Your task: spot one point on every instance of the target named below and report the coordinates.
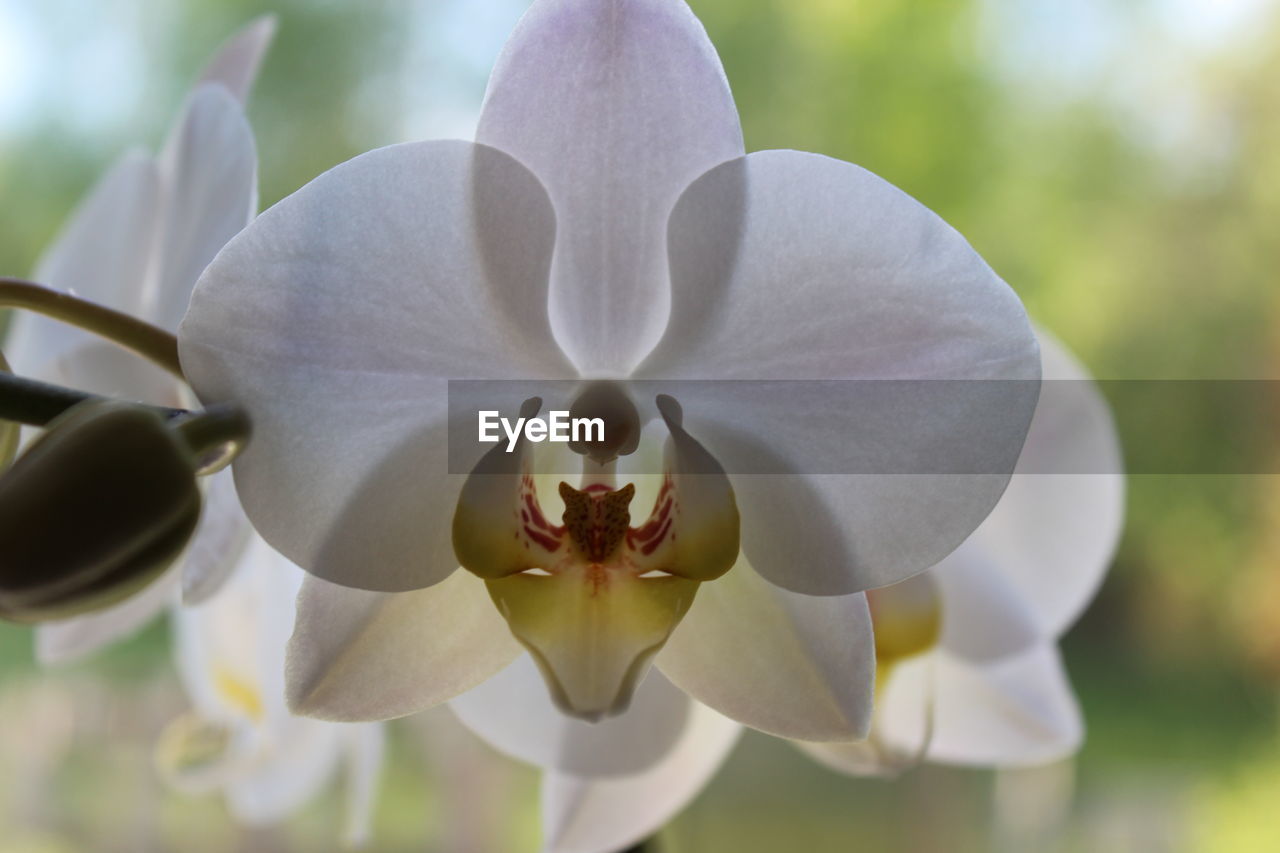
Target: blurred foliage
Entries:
(1149, 258)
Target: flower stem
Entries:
(215, 435)
(34, 403)
(146, 340)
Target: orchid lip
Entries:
(594, 598)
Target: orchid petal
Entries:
(591, 815)
(219, 541)
(1016, 711)
(100, 254)
(230, 649)
(616, 106)
(1050, 540)
(298, 763)
(985, 615)
(792, 665)
(108, 370)
(513, 712)
(879, 756)
(347, 658)
(791, 266)
(235, 64)
(209, 169)
(72, 640)
(336, 318)
(364, 745)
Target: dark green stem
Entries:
(146, 340)
(34, 403)
(214, 429)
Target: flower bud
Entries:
(95, 510)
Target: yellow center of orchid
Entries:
(594, 598)
(239, 693)
(907, 620)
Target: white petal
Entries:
(912, 724)
(1016, 711)
(291, 768)
(616, 106)
(515, 714)
(792, 266)
(358, 655)
(235, 65)
(209, 170)
(101, 254)
(336, 319)
(585, 815)
(72, 640)
(792, 665)
(240, 635)
(985, 616)
(112, 371)
(218, 543)
(364, 745)
(1051, 538)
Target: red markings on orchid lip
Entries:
(549, 543)
(649, 547)
(654, 526)
(535, 515)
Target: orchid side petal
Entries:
(101, 254)
(791, 665)
(1016, 711)
(616, 106)
(792, 266)
(1050, 539)
(347, 661)
(219, 542)
(336, 319)
(513, 713)
(236, 62)
(593, 815)
(209, 170)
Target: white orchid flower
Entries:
(969, 668)
(137, 244)
(969, 671)
(606, 225)
(240, 738)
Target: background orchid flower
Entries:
(980, 681)
(240, 738)
(968, 669)
(137, 244)
(606, 225)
